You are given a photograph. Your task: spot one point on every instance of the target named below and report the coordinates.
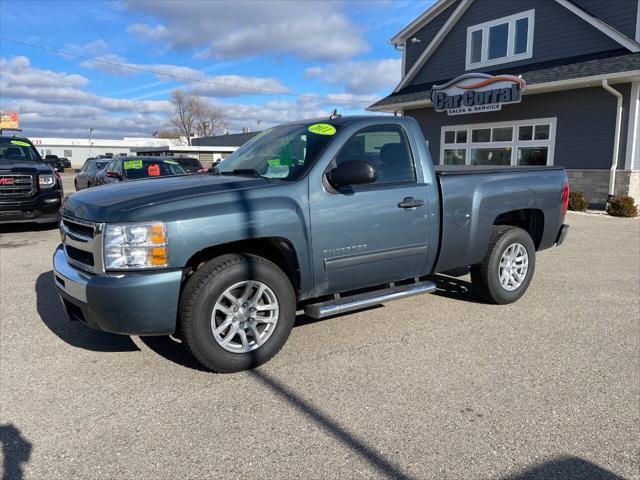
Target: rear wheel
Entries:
(236, 312)
(507, 269)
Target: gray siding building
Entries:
(580, 60)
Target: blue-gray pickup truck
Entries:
(328, 216)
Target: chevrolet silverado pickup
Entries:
(329, 216)
(30, 191)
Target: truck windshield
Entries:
(12, 150)
(284, 152)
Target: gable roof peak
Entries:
(429, 14)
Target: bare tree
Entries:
(208, 120)
(191, 114)
(181, 118)
(170, 133)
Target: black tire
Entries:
(485, 277)
(199, 298)
(75, 184)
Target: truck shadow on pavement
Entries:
(16, 451)
(565, 468)
(173, 350)
(74, 333)
(454, 288)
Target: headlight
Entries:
(46, 181)
(135, 246)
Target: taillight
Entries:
(565, 198)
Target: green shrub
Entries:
(577, 202)
(622, 206)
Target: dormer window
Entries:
(507, 39)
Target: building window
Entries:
(68, 153)
(506, 39)
(522, 142)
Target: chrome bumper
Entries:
(129, 304)
(562, 234)
(68, 279)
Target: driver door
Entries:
(367, 234)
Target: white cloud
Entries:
(93, 48)
(58, 104)
(361, 77)
(350, 100)
(194, 80)
(311, 30)
(18, 71)
(110, 63)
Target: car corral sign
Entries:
(477, 92)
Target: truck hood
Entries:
(109, 203)
(7, 166)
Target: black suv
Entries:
(56, 163)
(30, 190)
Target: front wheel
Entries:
(507, 269)
(236, 312)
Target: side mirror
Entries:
(77, 170)
(352, 173)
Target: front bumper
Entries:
(43, 208)
(130, 304)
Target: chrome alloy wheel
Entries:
(245, 316)
(514, 265)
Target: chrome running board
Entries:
(363, 300)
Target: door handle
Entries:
(410, 202)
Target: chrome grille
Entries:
(16, 185)
(82, 243)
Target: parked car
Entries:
(123, 169)
(55, 162)
(66, 163)
(190, 164)
(86, 176)
(30, 190)
(330, 216)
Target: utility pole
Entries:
(90, 142)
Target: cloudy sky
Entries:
(260, 62)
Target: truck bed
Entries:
(474, 198)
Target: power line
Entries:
(182, 78)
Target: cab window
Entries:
(386, 148)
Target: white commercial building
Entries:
(77, 150)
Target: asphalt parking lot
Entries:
(437, 386)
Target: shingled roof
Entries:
(618, 61)
(230, 140)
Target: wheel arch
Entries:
(278, 250)
(531, 220)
